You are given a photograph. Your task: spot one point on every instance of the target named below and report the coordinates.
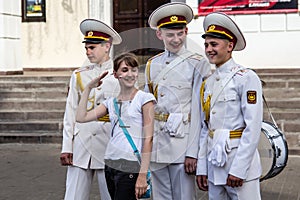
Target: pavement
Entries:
(33, 172)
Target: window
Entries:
(33, 11)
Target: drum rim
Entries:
(270, 172)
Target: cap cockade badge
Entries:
(174, 19)
(90, 33)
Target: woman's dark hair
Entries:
(129, 58)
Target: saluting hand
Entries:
(96, 82)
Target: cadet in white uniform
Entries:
(175, 77)
(84, 144)
(228, 161)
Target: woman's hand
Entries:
(96, 82)
(141, 185)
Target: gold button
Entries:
(161, 94)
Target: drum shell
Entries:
(277, 151)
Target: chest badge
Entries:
(251, 97)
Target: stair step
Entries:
(281, 93)
(34, 105)
(278, 70)
(47, 137)
(23, 78)
(31, 126)
(16, 116)
(17, 86)
(291, 103)
(283, 114)
(282, 83)
(291, 126)
(278, 76)
(55, 94)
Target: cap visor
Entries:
(215, 35)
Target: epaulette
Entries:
(242, 71)
(157, 55)
(208, 76)
(197, 56)
(85, 68)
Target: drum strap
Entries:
(270, 114)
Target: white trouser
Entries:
(79, 182)
(172, 183)
(250, 190)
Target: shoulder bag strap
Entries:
(171, 66)
(217, 93)
(135, 150)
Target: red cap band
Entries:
(96, 35)
(174, 19)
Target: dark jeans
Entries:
(120, 181)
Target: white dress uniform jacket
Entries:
(87, 141)
(178, 96)
(238, 106)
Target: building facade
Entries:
(272, 38)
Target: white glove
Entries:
(174, 125)
(218, 154)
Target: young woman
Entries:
(125, 177)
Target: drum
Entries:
(273, 150)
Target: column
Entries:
(10, 37)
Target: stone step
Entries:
(278, 70)
(20, 86)
(46, 137)
(291, 84)
(31, 126)
(36, 94)
(16, 116)
(22, 78)
(290, 126)
(278, 76)
(32, 105)
(281, 93)
(282, 114)
(290, 103)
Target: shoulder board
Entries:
(197, 56)
(208, 76)
(157, 55)
(85, 68)
(242, 72)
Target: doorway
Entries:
(130, 20)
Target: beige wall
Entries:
(272, 40)
(56, 43)
(10, 34)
